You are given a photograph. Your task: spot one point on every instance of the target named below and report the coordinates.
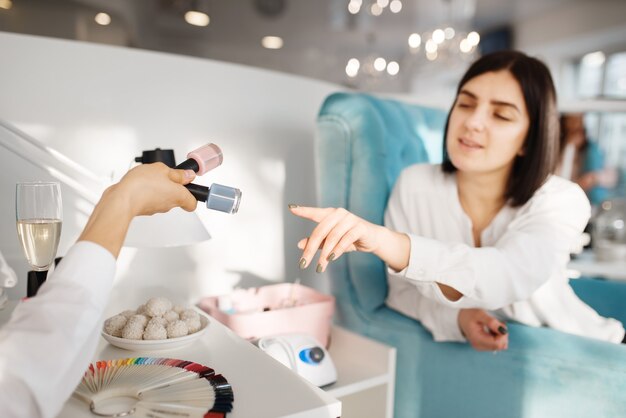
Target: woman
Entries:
(490, 228)
(582, 160)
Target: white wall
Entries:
(569, 32)
(102, 106)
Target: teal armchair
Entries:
(363, 143)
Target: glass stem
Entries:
(35, 280)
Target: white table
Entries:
(585, 264)
(262, 386)
(366, 375)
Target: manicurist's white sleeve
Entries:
(47, 345)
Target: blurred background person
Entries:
(583, 162)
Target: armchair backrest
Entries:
(363, 143)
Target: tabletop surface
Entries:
(262, 387)
(587, 264)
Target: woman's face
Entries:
(488, 124)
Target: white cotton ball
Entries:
(141, 310)
(140, 319)
(177, 329)
(157, 320)
(128, 313)
(171, 316)
(189, 314)
(113, 326)
(158, 306)
(155, 332)
(178, 309)
(133, 331)
(193, 325)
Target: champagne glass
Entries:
(38, 210)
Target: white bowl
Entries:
(158, 345)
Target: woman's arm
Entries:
(50, 339)
(339, 231)
(534, 246)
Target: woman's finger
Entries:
(319, 235)
(346, 243)
(481, 337)
(181, 176)
(302, 243)
(328, 253)
(495, 326)
(311, 213)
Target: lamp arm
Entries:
(52, 161)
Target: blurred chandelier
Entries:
(444, 43)
(374, 7)
(451, 44)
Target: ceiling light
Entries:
(465, 46)
(393, 68)
(449, 33)
(594, 59)
(473, 38)
(380, 64)
(352, 69)
(351, 72)
(354, 7)
(353, 62)
(6, 4)
(415, 40)
(438, 36)
(395, 6)
(272, 42)
(382, 3)
(376, 10)
(431, 46)
(431, 56)
(102, 19)
(196, 18)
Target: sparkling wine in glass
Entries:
(38, 211)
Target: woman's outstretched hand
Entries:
(483, 331)
(339, 231)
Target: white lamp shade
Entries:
(172, 229)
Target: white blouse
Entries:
(519, 272)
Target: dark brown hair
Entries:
(541, 145)
(565, 133)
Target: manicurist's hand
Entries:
(339, 231)
(483, 331)
(145, 190)
(154, 188)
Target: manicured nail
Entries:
(302, 263)
(331, 257)
(502, 330)
(189, 174)
(292, 206)
(318, 269)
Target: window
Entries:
(599, 87)
(615, 77)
